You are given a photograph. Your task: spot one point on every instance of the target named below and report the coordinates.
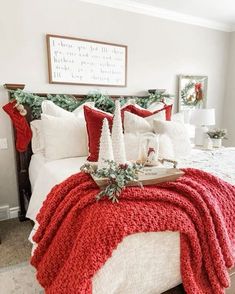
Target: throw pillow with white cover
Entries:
(64, 137)
(166, 149)
(37, 142)
(132, 141)
(178, 134)
(50, 108)
(178, 117)
(134, 147)
(137, 124)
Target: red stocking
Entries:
(23, 131)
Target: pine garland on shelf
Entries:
(156, 95)
(101, 100)
(69, 102)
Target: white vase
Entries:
(207, 143)
(217, 143)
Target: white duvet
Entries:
(144, 263)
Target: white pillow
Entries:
(178, 134)
(132, 141)
(132, 144)
(178, 117)
(64, 137)
(136, 124)
(166, 149)
(50, 108)
(37, 141)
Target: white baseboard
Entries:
(13, 212)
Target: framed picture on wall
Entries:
(86, 62)
(192, 92)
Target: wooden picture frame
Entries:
(77, 61)
(192, 92)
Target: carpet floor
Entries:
(17, 276)
(15, 247)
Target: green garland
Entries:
(66, 102)
(118, 175)
(101, 101)
(69, 102)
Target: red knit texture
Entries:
(23, 131)
(77, 234)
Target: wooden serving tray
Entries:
(149, 176)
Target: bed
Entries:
(136, 248)
(135, 251)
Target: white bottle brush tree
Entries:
(106, 149)
(119, 151)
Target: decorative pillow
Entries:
(178, 117)
(50, 108)
(165, 111)
(136, 124)
(166, 149)
(64, 137)
(177, 133)
(94, 121)
(136, 110)
(132, 142)
(37, 141)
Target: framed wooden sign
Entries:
(86, 62)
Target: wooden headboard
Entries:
(23, 158)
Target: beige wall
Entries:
(158, 50)
(229, 104)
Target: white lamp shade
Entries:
(203, 117)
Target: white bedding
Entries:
(138, 272)
(36, 164)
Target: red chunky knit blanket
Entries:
(77, 234)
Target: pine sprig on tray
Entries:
(118, 175)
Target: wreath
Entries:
(191, 94)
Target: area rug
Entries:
(19, 279)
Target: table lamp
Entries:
(202, 118)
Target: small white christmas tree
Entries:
(106, 149)
(119, 151)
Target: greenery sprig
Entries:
(217, 134)
(102, 101)
(118, 175)
(153, 96)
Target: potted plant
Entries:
(216, 135)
